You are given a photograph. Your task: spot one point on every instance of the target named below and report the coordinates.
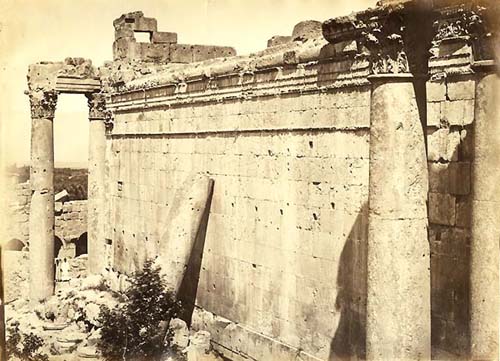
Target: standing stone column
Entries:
(398, 259)
(41, 220)
(485, 226)
(96, 182)
(398, 284)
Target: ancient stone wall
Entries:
(328, 197)
(18, 210)
(70, 220)
(287, 227)
(285, 135)
(450, 109)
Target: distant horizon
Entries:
(72, 165)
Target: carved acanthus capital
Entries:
(97, 105)
(395, 37)
(476, 23)
(43, 103)
(383, 43)
(398, 41)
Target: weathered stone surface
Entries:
(41, 226)
(305, 30)
(163, 37)
(15, 268)
(291, 257)
(181, 333)
(485, 227)
(442, 209)
(278, 40)
(162, 48)
(398, 280)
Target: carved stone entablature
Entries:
(97, 105)
(78, 68)
(395, 37)
(43, 103)
(476, 22)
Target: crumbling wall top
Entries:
(73, 75)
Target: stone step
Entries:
(55, 326)
(72, 337)
(87, 352)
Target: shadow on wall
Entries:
(450, 162)
(350, 337)
(189, 284)
(58, 244)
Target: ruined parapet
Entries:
(73, 75)
(278, 40)
(303, 31)
(162, 46)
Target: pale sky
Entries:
(37, 30)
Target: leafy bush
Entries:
(138, 328)
(30, 344)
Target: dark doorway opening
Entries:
(81, 245)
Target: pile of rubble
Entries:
(68, 321)
(69, 327)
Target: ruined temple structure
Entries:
(334, 196)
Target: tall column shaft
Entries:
(485, 227)
(41, 220)
(398, 282)
(96, 184)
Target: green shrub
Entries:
(137, 329)
(30, 344)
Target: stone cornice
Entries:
(245, 86)
(43, 104)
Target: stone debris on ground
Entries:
(69, 327)
(67, 322)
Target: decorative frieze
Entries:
(43, 103)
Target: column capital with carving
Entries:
(97, 106)
(395, 37)
(476, 22)
(43, 103)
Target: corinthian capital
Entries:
(97, 105)
(43, 103)
(397, 39)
